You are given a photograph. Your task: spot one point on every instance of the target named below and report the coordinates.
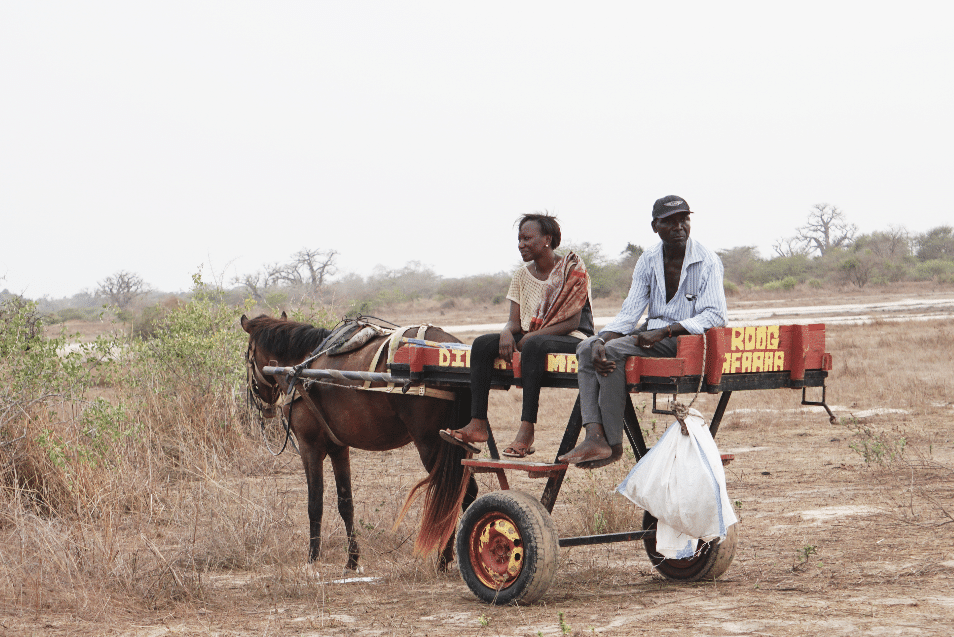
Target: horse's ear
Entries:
(284, 315)
(244, 322)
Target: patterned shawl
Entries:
(564, 294)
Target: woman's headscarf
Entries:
(564, 294)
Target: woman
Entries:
(550, 312)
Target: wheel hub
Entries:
(496, 551)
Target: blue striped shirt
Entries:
(701, 276)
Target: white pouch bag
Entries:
(681, 482)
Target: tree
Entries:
(308, 269)
(892, 244)
(858, 267)
(256, 285)
(937, 243)
(318, 265)
(738, 262)
(790, 247)
(826, 228)
(121, 288)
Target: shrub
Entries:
(195, 356)
(42, 380)
(935, 269)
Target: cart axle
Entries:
(606, 538)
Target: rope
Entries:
(680, 410)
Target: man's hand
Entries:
(649, 338)
(603, 365)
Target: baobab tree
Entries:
(121, 288)
(826, 228)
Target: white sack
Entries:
(681, 482)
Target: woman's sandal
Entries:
(518, 450)
(451, 436)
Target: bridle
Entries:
(254, 381)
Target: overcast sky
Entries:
(165, 137)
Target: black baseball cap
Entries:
(669, 205)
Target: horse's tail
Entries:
(446, 486)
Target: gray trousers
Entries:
(603, 398)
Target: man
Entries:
(681, 283)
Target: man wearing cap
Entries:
(680, 281)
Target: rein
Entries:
(254, 378)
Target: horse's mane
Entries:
(284, 338)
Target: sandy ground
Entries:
(829, 544)
(822, 550)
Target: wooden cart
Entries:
(507, 543)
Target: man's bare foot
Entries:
(593, 448)
(596, 464)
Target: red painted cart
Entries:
(507, 543)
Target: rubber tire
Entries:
(530, 545)
(712, 559)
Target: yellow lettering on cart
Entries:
(500, 363)
(572, 367)
(459, 359)
(749, 338)
(761, 338)
(737, 334)
(754, 349)
(562, 363)
(757, 361)
(444, 358)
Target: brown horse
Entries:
(337, 415)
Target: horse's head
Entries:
(263, 390)
(276, 342)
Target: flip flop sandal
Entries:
(454, 440)
(518, 450)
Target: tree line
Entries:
(827, 250)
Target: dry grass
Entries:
(194, 516)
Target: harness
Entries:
(349, 336)
(254, 379)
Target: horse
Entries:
(330, 417)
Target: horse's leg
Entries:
(313, 458)
(341, 463)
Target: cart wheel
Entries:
(711, 560)
(507, 547)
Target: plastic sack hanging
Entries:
(681, 482)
